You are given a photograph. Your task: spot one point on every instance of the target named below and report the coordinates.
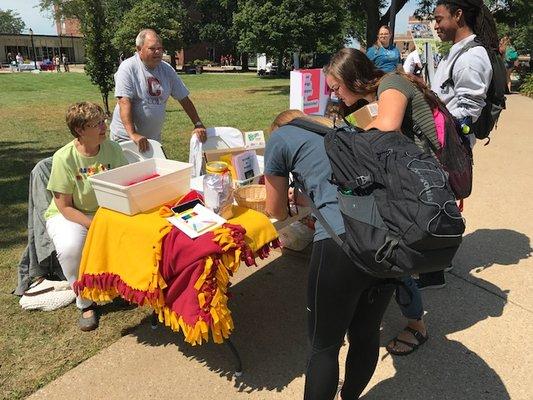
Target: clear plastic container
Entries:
(218, 189)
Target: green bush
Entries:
(202, 63)
(527, 87)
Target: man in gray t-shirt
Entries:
(143, 84)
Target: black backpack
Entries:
(399, 212)
(495, 100)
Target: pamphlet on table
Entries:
(196, 221)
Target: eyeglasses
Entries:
(154, 49)
(100, 123)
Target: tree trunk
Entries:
(280, 62)
(244, 62)
(385, 19)
(105, 99)
(173, 59)
(372, 21)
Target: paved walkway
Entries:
(480, 324)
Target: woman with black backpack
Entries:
(404, 104)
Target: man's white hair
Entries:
(139, 40)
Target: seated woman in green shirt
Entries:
(73, 204)
(404, 104)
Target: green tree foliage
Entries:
(278, 27)
(101, 58)
(166, 17)
(512, 17)
(10, 22)
(216, 23)
(98, 21)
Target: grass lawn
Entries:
(37, 347)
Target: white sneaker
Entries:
(47, 295)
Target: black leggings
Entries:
(341, 299)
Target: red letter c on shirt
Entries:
(154, 86)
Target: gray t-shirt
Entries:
(148, 90)
(292, 149)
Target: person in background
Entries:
(57, 63)
(20, 60)
(412, 63)
(510, 57)
(340, 298)
(12, 62)
(143, 84)
(383, 53)
(64, 59)
(461, 22)
(70, 213)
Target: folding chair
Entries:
(217, 138)
(132, 153)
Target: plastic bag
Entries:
(296, 236)
(218, 194)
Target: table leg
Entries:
(238, 369)
(153, 321)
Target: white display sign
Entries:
(309, 91)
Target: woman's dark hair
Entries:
(361, 76)
(353, 68)
(478, 17)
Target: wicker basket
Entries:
(251, 196)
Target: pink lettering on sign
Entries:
(311, 90)
(154, 86)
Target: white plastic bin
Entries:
(111, 190)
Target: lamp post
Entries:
(33, 48)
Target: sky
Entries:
(42, 24)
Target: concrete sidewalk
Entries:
(480, 325)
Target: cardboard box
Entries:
(112, 191)
(365, 115)
(214, 155)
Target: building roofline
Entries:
(38, 35)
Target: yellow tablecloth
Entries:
(122, 254)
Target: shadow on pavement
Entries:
(485, 247)
(270, 329)
(269, 314)
(445, 368)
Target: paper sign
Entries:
(309, 91)
(253, 139)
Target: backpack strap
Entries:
(301, 192)
(468, 46)
(311, 126)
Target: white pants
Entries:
(69, 238)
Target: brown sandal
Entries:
(413, 346)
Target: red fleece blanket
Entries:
(181, 265)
